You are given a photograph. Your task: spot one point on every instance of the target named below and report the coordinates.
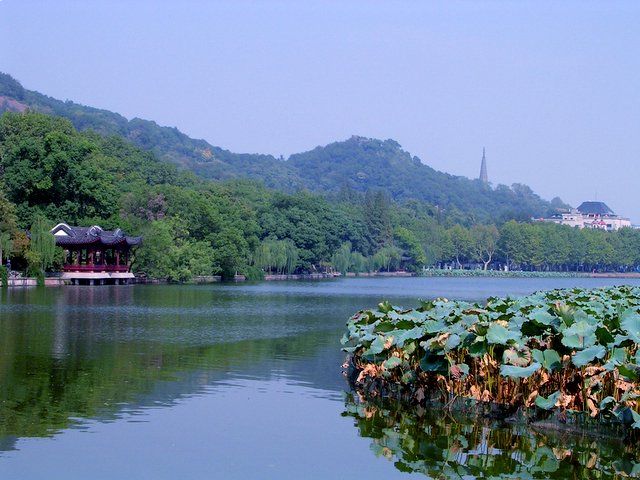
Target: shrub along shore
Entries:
(572, 352)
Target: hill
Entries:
(358, 163)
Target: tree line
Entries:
(51, 173)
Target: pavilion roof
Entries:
(66, 235)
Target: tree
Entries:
(377, 219)
(43, 252)
(461, 243)
(484, 241)
(6, 245)
(342, 259)
(408, 242)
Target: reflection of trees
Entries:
(55, 369)
(456, 446)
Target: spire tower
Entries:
(484, 178)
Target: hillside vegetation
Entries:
(51, 171)
(358, 163)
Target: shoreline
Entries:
(201, 280)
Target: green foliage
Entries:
(512, 351)
(355, 165)
(43, 252)
(4, 276)
(385, 204)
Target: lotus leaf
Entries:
(543, 317)
(549, 402)
(433, 326)
(629, 371)
(579, 335)
(604, 336)
(518, 357)
(549, 358)
(413, 334)
(618, 356)
(385, 307)
(478, 347)
(585, 356)
(459, 371)
(630, 323)
(519, 372)
(376, 347)
(434, 363)
(385, 327)
(452, 342)
(391, 362)
(499, 335)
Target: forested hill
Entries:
(362, 164)
(358, 163)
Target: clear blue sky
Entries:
(551, 89)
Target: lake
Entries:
(243, 381)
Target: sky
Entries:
(550, 89)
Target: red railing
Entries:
(95, 268)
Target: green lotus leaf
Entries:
(452, 342)
(623, 341)
(604, 336)
(543, 317)
(519, 372)
(434, 363)
(630, 323)
(478, 348)
(385, 307)
(385, 327)
(549, 402)
(629, 371)
(413, 334)
(579, 335)
(618, 357)
(391, 362)
(481, 329)
(376, 347)
(549, 358)
(585, 356)
(499, 335)
(432, 326)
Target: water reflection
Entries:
(457, 446)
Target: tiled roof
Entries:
(92, 235)
(595, 208)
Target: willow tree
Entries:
(42, 252)
(280, 256)
(6, 245)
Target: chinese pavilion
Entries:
(94, 255)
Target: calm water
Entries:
(240, 381)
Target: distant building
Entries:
(484, 177)
(94, 255)
(591, 215)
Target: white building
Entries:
(591, 215)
